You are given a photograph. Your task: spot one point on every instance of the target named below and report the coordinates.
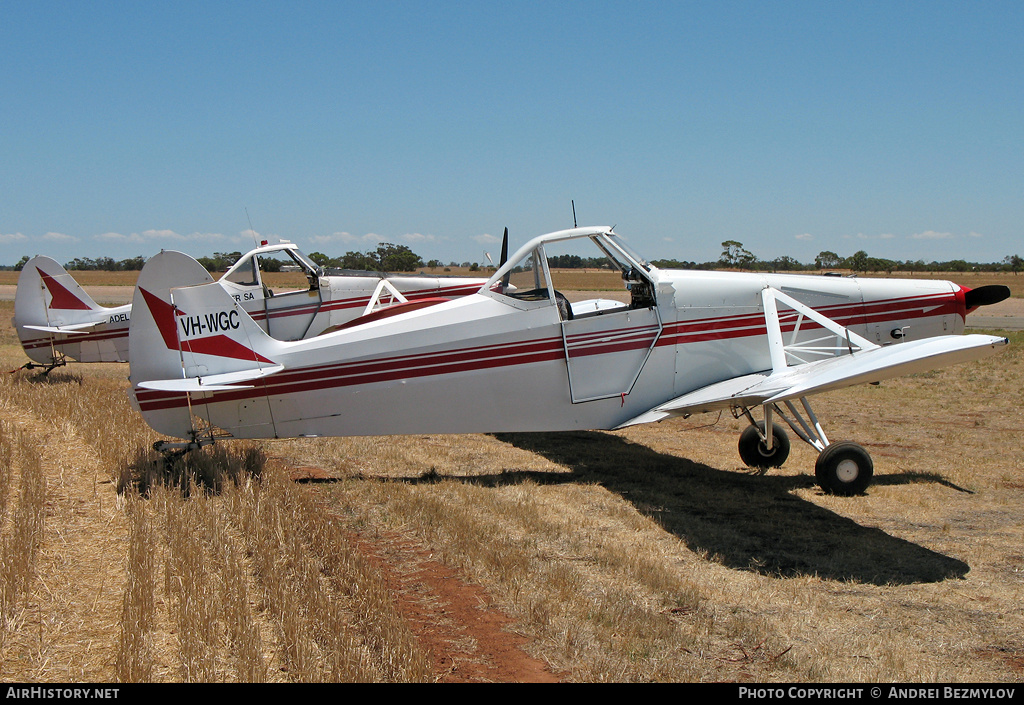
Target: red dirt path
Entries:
(467, 639)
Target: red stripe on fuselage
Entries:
(337, 375)
(378, 370)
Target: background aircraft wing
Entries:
(70, 328)
(872, 365)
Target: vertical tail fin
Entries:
(48, 305)
(189, 336)
(57, 289)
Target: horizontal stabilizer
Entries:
(862, 367)
(68, 329)
(212, 383)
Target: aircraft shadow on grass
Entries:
(743, 521)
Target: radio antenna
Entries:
(251, 231)
(573, 212)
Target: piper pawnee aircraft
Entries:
(57, 320)
(524, 359)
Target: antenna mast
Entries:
(251, 231)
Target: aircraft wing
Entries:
(70, 328)
(212, 383)
(870, 365)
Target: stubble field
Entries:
(647, 554)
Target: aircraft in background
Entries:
(517, 356)
(56, 320)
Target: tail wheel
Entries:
(755, 454)
(844, 469)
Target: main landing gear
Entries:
(843, 468)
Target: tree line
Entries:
(736, 256)
(388, 257)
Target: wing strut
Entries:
(836, 340)
(809, 430)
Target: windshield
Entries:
(243, 273)
(620, 253)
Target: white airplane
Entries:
(524, 359)
(57, 320)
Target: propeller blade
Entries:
(986, 295)
(504, 257)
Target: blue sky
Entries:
(793, 127)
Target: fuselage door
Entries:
(605, 351)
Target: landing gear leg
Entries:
(170, 449)
(759, 449)
(47, 368)
(843, 468)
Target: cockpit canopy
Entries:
(527, 276)
(271, 258)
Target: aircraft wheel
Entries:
(755, 454)
(844, 468)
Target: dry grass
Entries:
(647, 554)
(23, 529)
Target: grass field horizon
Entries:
(570, 279)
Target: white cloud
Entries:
(931, 235)
(156, 236)
(346, 239)
(59, 237)
(486, 239)
(369, 240)
(416, 238)
(48, 237)
(804, 236)
(880, 236)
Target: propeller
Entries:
(986, 295)
(504, 257)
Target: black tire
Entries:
(753, 452)
(844, 469)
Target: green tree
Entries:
(397, 258)
(321, 259)
(132, 264)
(827, 260)
(357, 260)
(735, 255)
(858, 261)
(786, 264)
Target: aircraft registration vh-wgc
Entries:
(517, 356)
